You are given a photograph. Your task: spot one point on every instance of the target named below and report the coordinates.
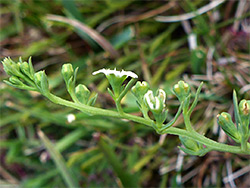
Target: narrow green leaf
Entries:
(127, 179)
(70, 139)
(59, 161)
(236, 109)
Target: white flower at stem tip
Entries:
(116, 73)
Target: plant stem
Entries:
(98, 111)
(172, 130)
(206, 141)
(119, 107)
(187, 122)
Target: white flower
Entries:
(153, 102)
(71, 118)
(116, 73)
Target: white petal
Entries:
(149, 97)
(116, 73)
(162, 95)
(157, 103)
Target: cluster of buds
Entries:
(146, 101)
(239, 133)
(23, 76)
(80, 93)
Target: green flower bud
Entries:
(15, 80)
(41, 81)
(226, 123)
(10, 67)
(139, 90)
(244, 108)
(244, 111)
(67, 72)
(190, 144)
(25, 68)
(181, 90)
(82, 93)
(192, 147)
(38, 78)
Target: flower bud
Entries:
(244, 111)
(25, 69)
(244, 108)
(139, 90)
(190, 144)
(67, 71)
(10, 67)
(82, 93)
(226, 123)
(192, 147)
(181, 90)
(41, 81)
(15, 80)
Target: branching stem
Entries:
(171, 130)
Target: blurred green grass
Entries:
(158, 52)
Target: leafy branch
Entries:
(23, 76)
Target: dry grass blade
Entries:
(190, 15)
(136, 18)
(236, 174)
(89, 31)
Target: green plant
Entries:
(22, 76)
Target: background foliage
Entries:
(99, 151)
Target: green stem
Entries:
(195, 99)
(171, 130)
(126, 89)
(206, 141)
(187, 122)
(73, 95)
(118, 106)
(174, 120)
(97, 111)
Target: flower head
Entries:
(116, 79)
